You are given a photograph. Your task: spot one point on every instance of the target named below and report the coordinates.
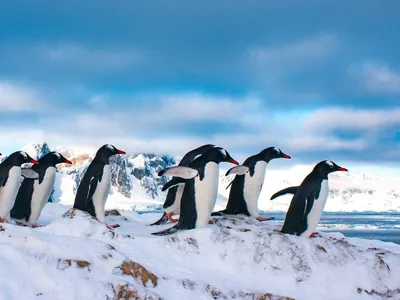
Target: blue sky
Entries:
(320, 80)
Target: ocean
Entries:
(374, 226)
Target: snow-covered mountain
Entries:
(135, 184)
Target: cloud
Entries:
(293, 55)
(173, 123)
(359, 119)
(376, 77)
(18, 98)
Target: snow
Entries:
(231, 257)
(139, 161)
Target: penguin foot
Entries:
(36, 226)
(2, 220)
(171, 219)
(112, 226)
(21, 224)
(265, 219)
(314, 234)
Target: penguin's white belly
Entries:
(101, 193)
(41, 194)
(176, 206)
(8, 193)
(206, 193)
(316, 211)
(253, 186)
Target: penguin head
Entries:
(193, 154)
(53, 158)
(218, 155)
(106, 151)
(327, 166)
(19, 158)
(272, 153)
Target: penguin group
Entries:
(192, 188)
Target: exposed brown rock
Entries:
(138, 272)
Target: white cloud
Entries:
(292, 55)
(18, 98)
(376, 77)
(359, 119)
(155, 126)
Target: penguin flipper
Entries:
(289, 190)
(230, 183)
(161, 221)
(92, 187)
(310, 203)
(238, 170)
(173, 182)
(179, 171)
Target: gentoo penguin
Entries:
(10, 180)
(201, 179)
(172, 204)
(247, 184)
(95, 186)
(33, 194)
(308, 201)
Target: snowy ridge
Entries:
(76, 257)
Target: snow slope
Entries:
(75, 257)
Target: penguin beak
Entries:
(283, 155)
(342, 169)
(233, 161)
(35, 162)
(67, 161)
(121, 152)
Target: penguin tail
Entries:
(168, 231)
(161, 221)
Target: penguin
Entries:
(172, 204)
(309, 199)
(33, 194)
(95, 186)
(10, 180)
(199, 195)
(247, 184)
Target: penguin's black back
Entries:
(301, 204)
(186, 160)
(22, 206)
(236, 204)
(87, 187)
(188, 214)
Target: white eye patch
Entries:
(58, 155)
(223, 151)
(24, 154)
(110, 147)
(277, 150)
(329, 163)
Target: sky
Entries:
(319, 80)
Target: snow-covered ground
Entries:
(75, 257)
